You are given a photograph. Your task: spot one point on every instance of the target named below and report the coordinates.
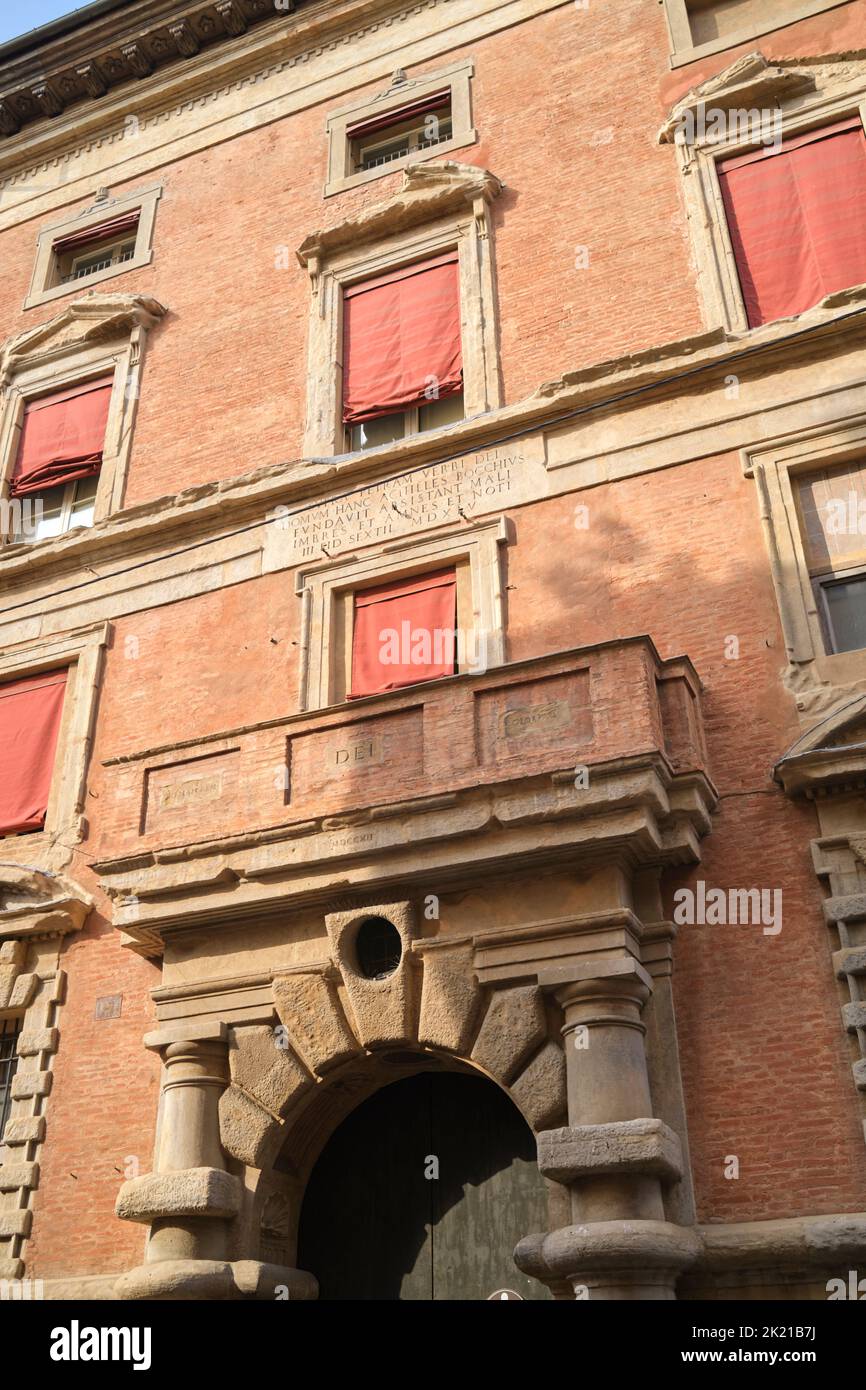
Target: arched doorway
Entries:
(422, 1193)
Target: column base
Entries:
(216, 1280)
(612, 1259)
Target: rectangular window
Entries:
(79, 255)
(87, 248)
(797, 219)
(832, 510)
(404, 632)
(418, 126)
(416, 118)
(402, 354)
(56, 470)
(30, 713)
(700, 27)
(10, 1031)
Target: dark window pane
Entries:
(379, 948)
(846, 613)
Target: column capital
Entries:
(583, 978)
(197, 1030)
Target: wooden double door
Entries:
(423, 1193)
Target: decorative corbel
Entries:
(479, 212)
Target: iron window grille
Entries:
(92, 262)
(406, 138)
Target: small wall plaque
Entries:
(108, 1006)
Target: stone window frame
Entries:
(79, 362)
(458, 76)
(775, 466)
(684, 50)
(468, 232)
(81, 653)
(42, 289)
(717, 274)
(326, 590)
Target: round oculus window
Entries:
(378, 948)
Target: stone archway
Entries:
(248, 1106)
(330, 1015)
(423, 1191)
(293, 1086)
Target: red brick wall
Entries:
(101, 1114)
(677, 554)
(225, 380)
(767, 1072)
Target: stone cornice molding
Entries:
(268, 48)
(38, 904)
(155, 525)
(428, 192)
(113, 50)
(95, 318)
(749, 82)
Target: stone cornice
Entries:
(116, 49)
(155, 526)
(37, 904)
(640, 812)
(271, 40)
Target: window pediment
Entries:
(830, 755)
(749, 82)
(83, 323)
(34, 902)
(428, 192)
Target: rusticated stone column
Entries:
(614, 1155)
(190, 1197)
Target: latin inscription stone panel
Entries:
(181, 792)
(471, 486)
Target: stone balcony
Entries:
(593, 753)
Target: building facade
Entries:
(433, 649)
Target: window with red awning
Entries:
(797, 219)
(62, 438)
(403, 633)
(92, 236)
(30, 713)
(401, 340)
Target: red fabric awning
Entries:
(89, 236)
(404, 632)
(30, 712)
(797, 219)
(63, 438)
(401, 338)
(387, 119)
